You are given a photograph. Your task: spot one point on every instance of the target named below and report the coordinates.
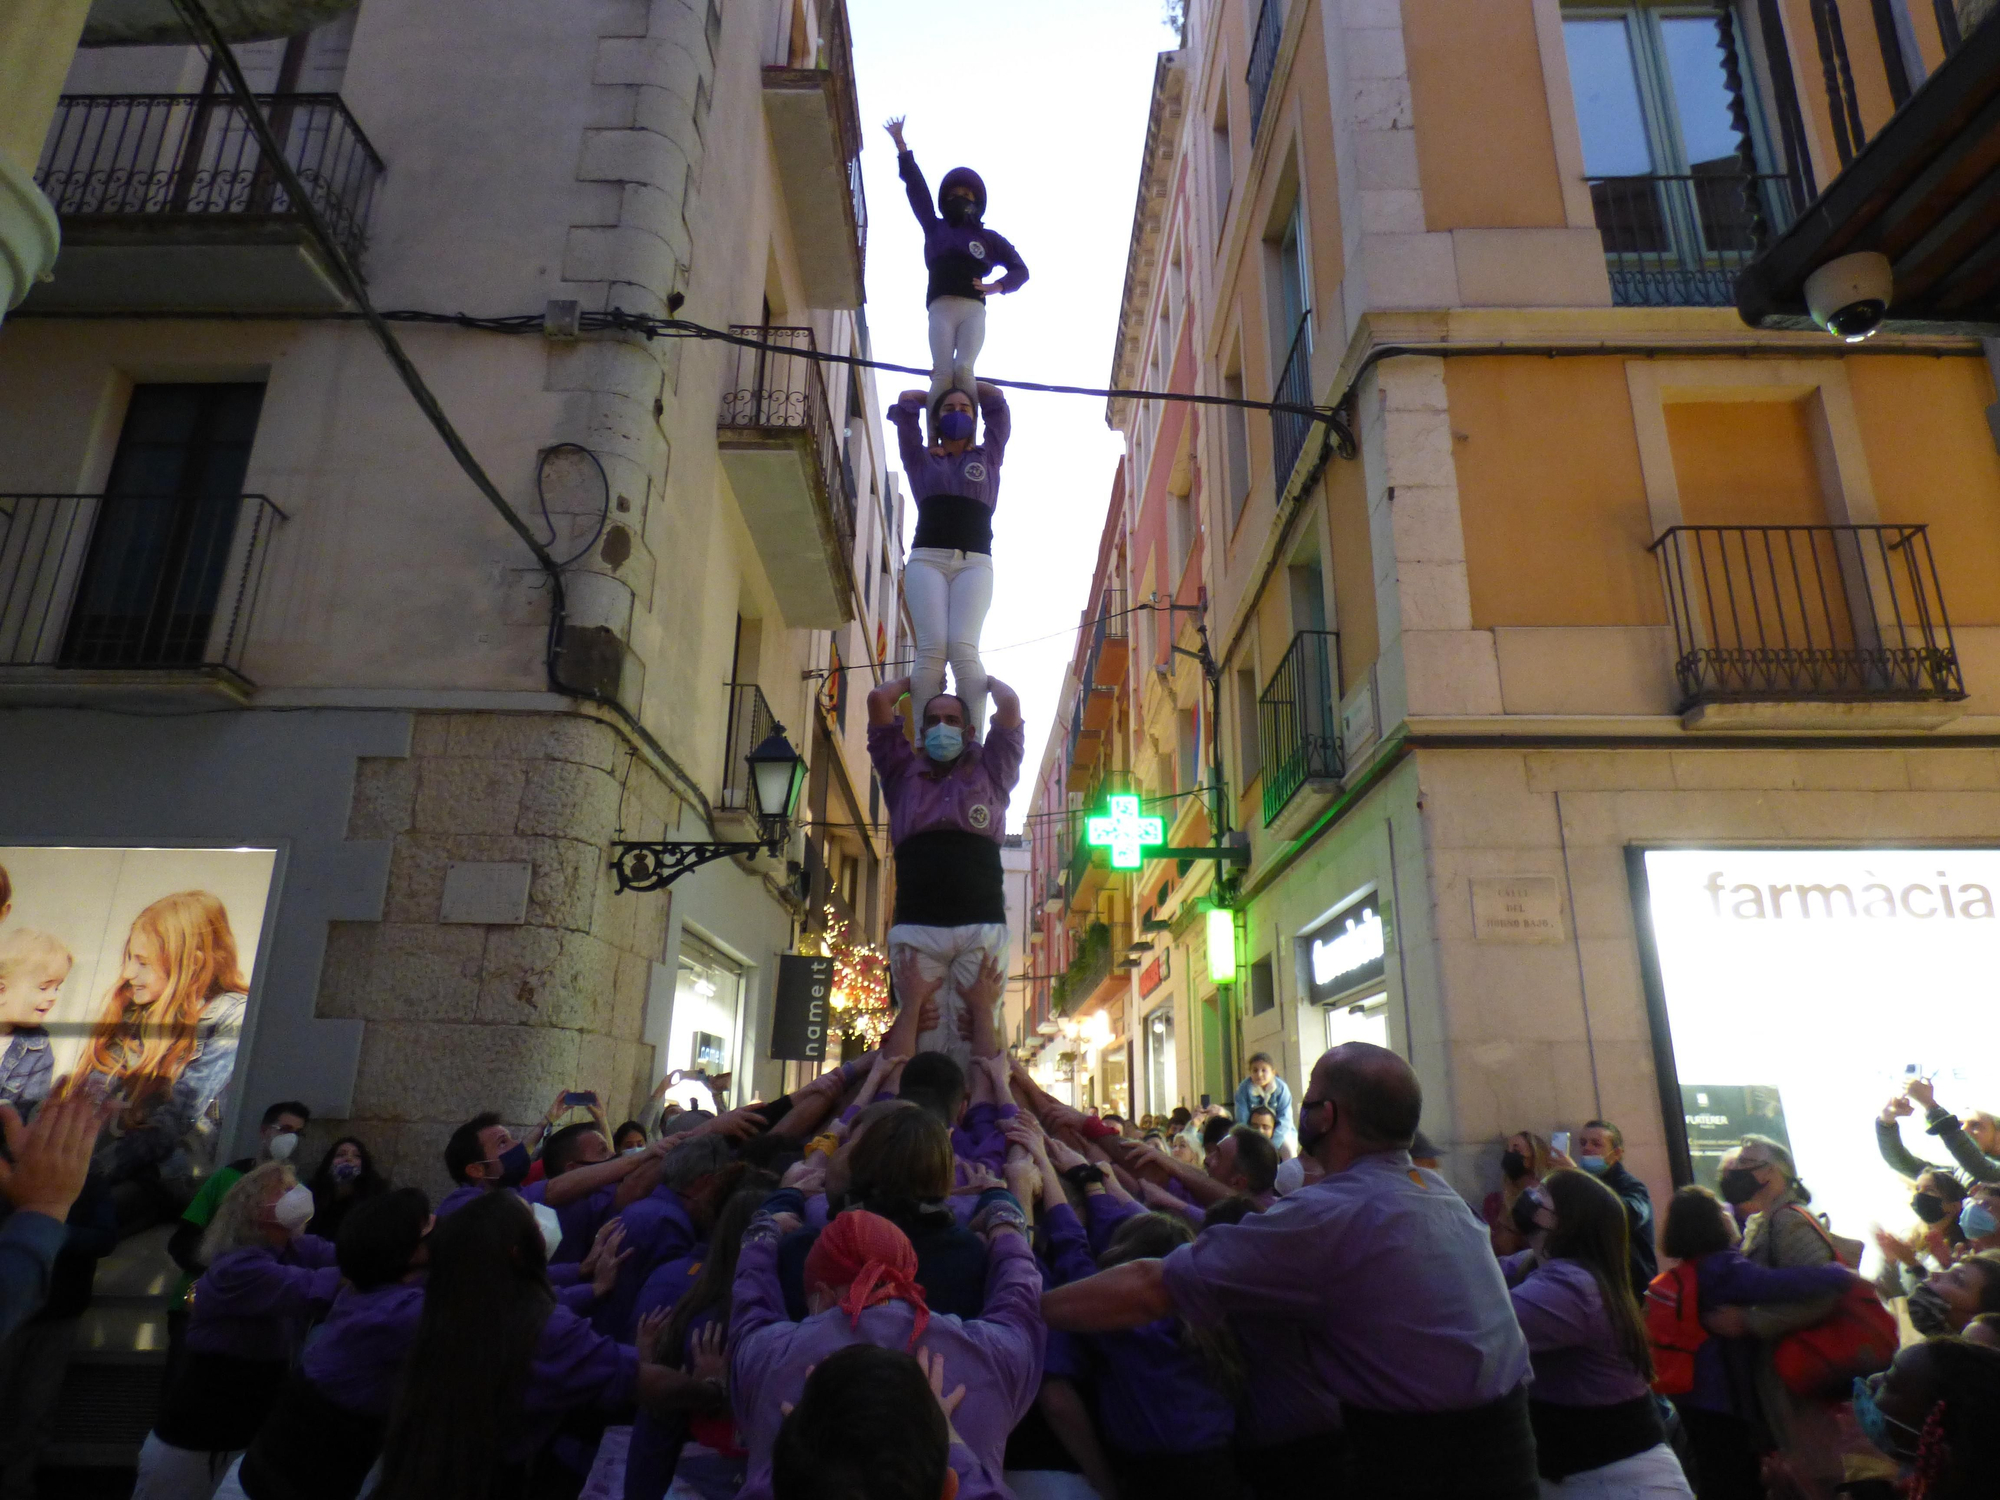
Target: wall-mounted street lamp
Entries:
(777, 773)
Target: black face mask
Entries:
(1307, 1142)
(959, 211)
(1928, 1206)
(1514, 1165)
(1930, 1314)
(1740, 1185)
(1523, 1217)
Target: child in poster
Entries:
(33, 967)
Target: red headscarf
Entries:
(872, 1258)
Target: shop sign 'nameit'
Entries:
(1867, 900)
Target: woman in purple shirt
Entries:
(1597, 1427)
(497, 1363)
(265, 1280)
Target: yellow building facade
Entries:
(1597, 615)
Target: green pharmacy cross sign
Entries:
(1125, 833)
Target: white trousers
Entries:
(1652, 1475)
(170, 1473)
(954, 953)
(958, 332)
(948, 592)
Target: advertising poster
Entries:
(1804, 987)
(132, 967)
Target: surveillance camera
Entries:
(1848, 295)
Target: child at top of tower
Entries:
(959, 250)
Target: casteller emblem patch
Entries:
(975, 471)
(979, 815)
(976, 249)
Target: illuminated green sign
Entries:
(1125, 833)
(1221, 945)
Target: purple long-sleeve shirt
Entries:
(970, 795)
(580, 1219)
(957, 255)
(255, 1303)
(1103, 1213)
(1725, 1369)
(361, 1346)
(1153, 1396)
(1571, 1342)
(1375, 1286)
(971, 475)
(573, 1366)
(657, 1230)
(997, 1355)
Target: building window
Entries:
(1249, 748)
(1161, 1079)
(1670, 150)
(165, 532)
(1222, 164)
(1236, 447)
(1263, 987)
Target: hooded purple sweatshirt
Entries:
(958, 255)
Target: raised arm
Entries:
(1127, 1296)
(579, 1183)
(1006, 704)
(883, 698)
(906, 416)
(997, 419)
(914, 185)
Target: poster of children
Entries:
(131, 967)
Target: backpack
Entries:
(1673, 1327)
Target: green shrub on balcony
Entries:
(1086, 970)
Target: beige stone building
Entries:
(248, 600)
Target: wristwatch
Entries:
(1084, 1174)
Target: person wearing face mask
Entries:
(1936, 1198)
(265, 1279)
(1935, 1413)
(346, 1179)
(1524, 1162)
(948, 582)
(947, 816)
(481, 1156)
(277, 1139)
(1780, 1232)
(1972, 1143)
(1719, 1410)
(959, 250)
(1946, 1301)
(1600, 1148)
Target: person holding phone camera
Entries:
(1971, 1142)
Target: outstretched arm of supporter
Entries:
(1127, 1296)
(1889, 1139)
(813, 1103)
(1200, 1186)
(883, 698)
(579, 1183)
(1006, 704)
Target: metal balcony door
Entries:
(165, 531)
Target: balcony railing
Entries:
(812, 88)
(750, 724)
(772, 390)
(1807, 613)
(155, 157)
(131, 581)
(1110, 642)
(1289, 428)
(1679, 241)
(1298, 719)
(1264, 59)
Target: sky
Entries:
(1047, 101)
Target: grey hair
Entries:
(693, 1160)
(1781, 1158)
(238, 1221)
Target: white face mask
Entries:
(295, 1209)
(550, 1225)
(282, 1146)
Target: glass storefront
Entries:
(707, 1023)
(1162, 1090)
(1363, 1020)
(1794, 992)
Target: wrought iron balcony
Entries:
(751, 722)
(1807, 614)
(815, 121)
(167, 202)
(131, 582)
(782, 454)
(1264, 58)
(1289, 429)
(1110, 642)
(1298, 720)
(1679, 241)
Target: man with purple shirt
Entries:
(481, 1156)
(1383, 1354)
(664, 1226)
(947, 815)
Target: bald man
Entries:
(1383, 1356)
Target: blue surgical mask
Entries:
(955, 426)
(1977, 1220)
(944, 742)
(1877, 1425)
(1595, 1165)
